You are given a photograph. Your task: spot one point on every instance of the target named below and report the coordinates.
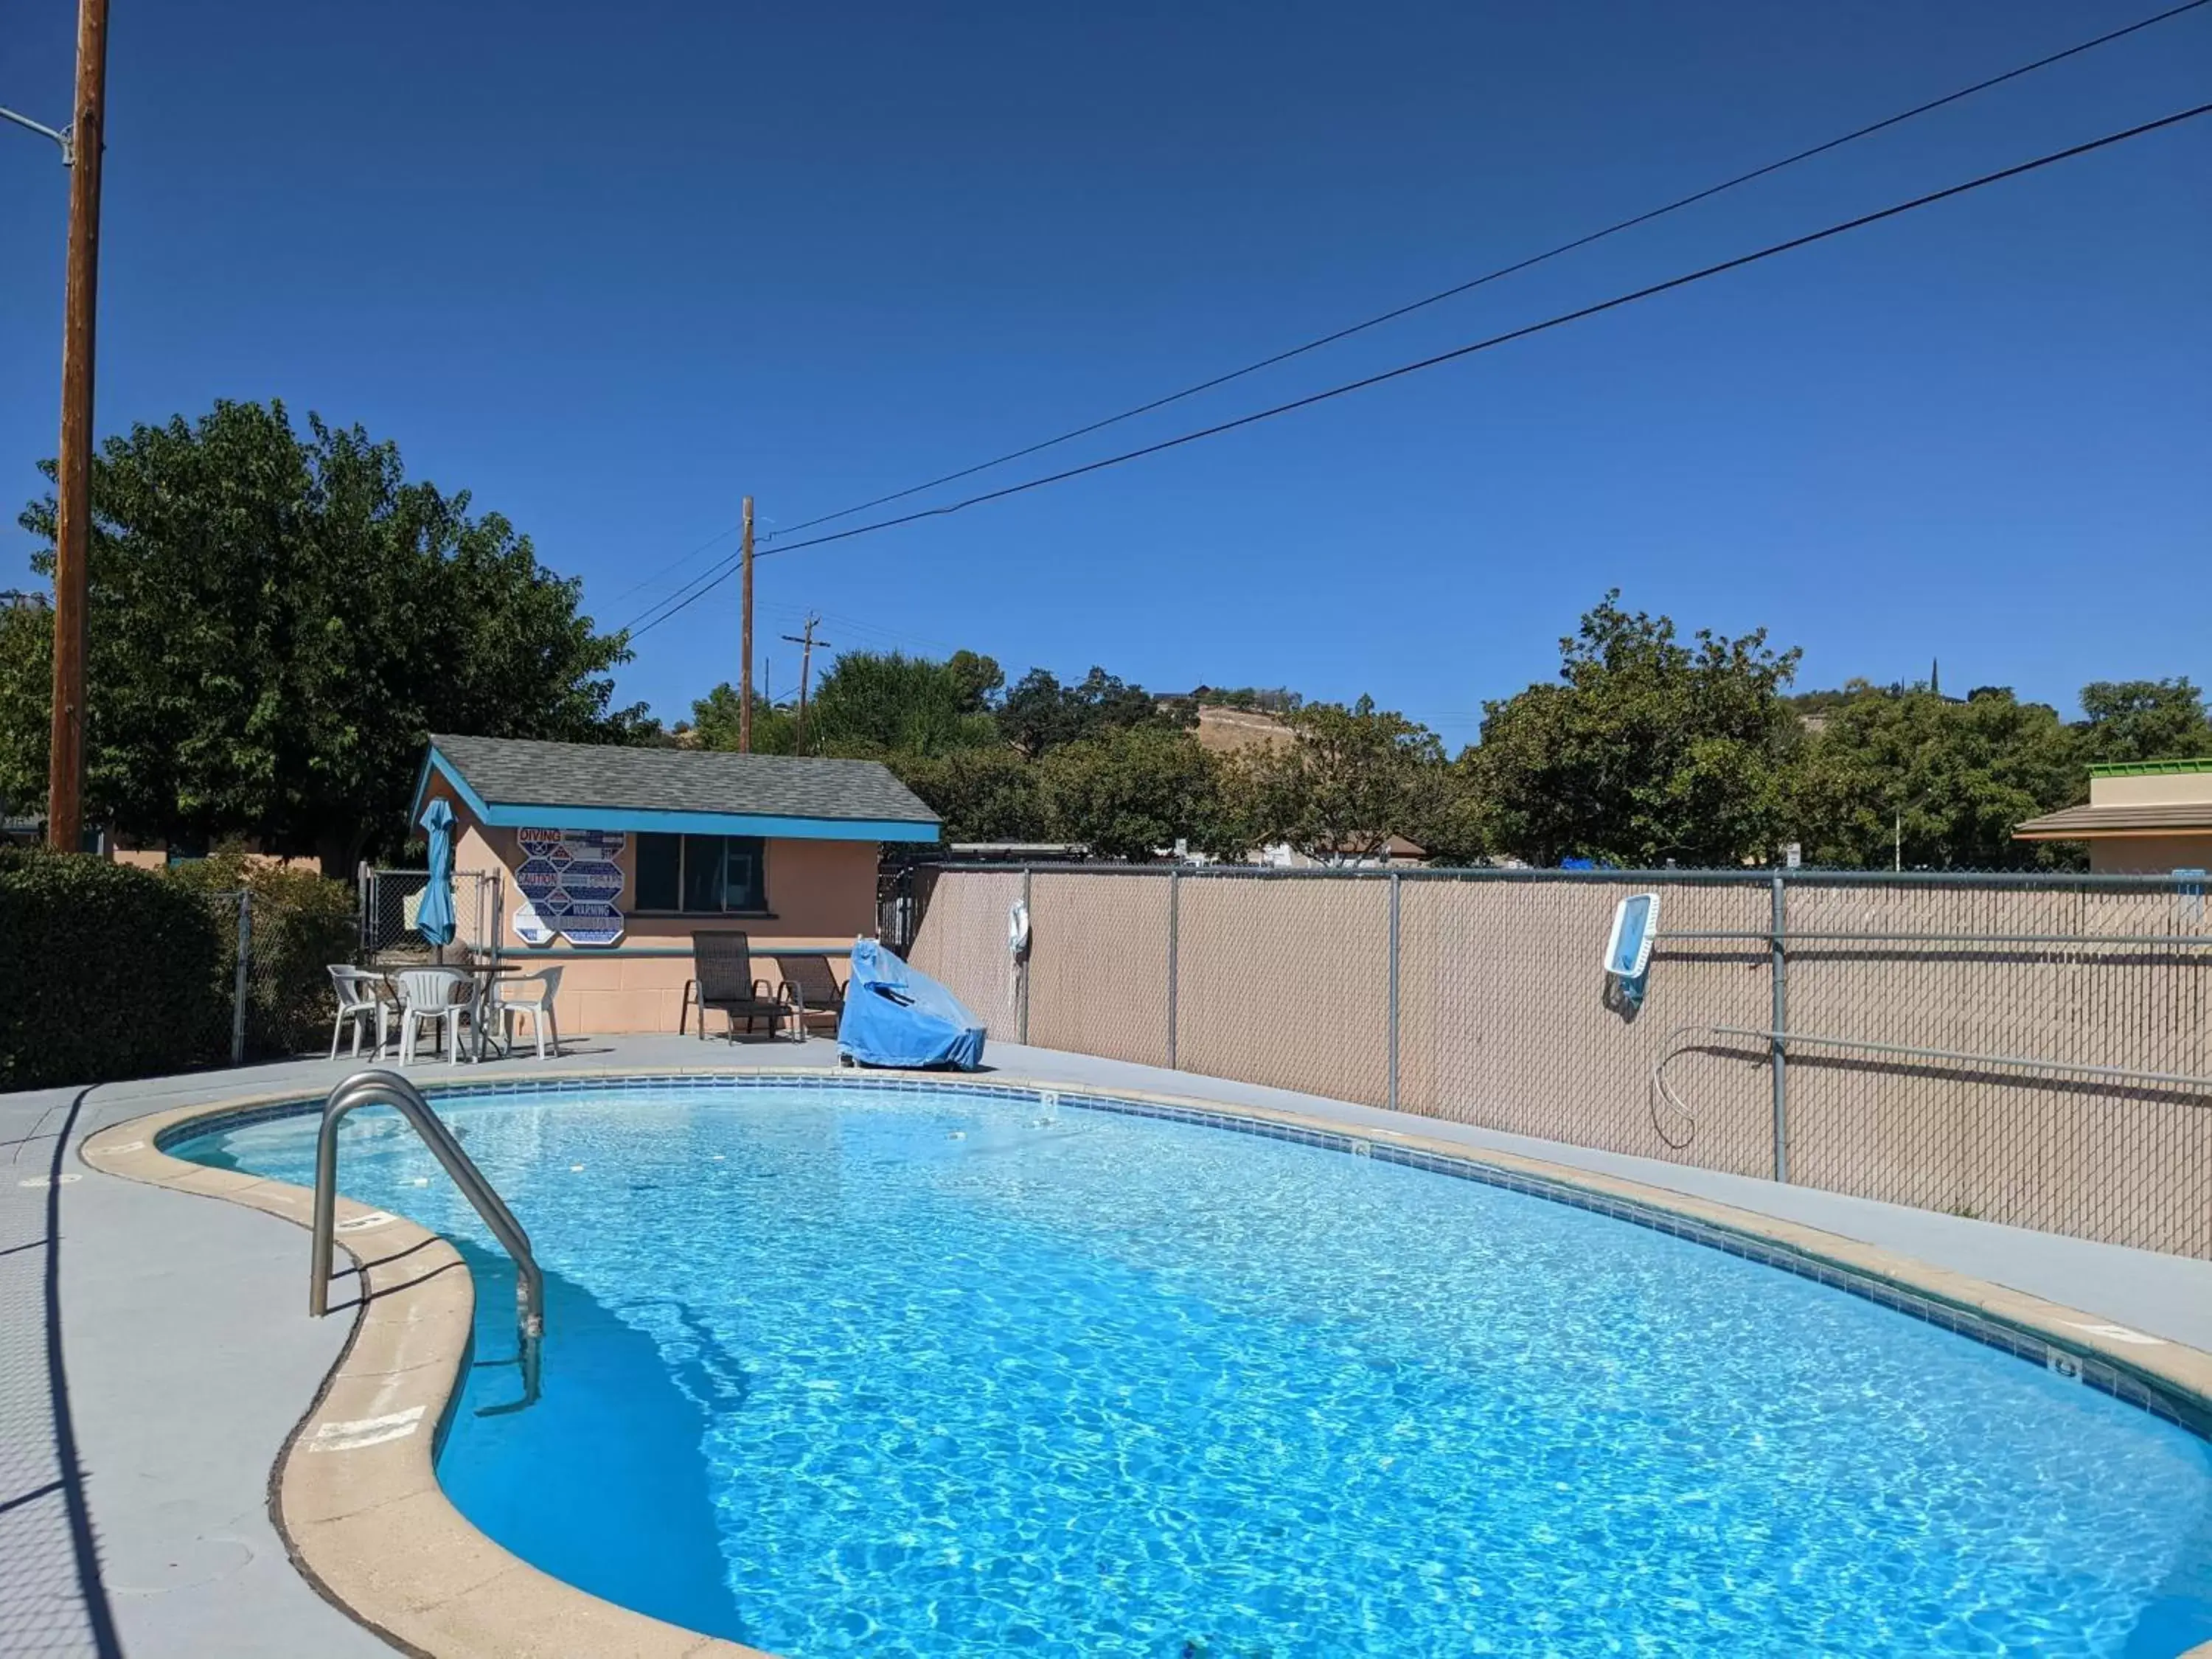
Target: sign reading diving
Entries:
(571, 884)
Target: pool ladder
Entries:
(382, 1088)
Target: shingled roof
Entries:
(518, 772)
(2146, 818)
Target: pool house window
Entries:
(702, 875)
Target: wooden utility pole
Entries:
(73, 472)
(806, 643)
(745, 591)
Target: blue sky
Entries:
(611, 268)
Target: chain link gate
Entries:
(390, 900)
(276, 966)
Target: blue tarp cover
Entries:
(895, 1016)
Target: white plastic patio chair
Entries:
(359, 996)
(531, 994)
(433, 996)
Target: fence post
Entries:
(238, 979)
(1777, 936)
(1393, 990)
(1174, 954)
(1022, 969)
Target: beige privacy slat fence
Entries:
(1942, 1036)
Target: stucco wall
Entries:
(2151, 854)
(820, 894)
(157, 857)
(2150, 788)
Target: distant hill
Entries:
(1227, 730)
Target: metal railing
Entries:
(1675, 1048)
(382, 1088)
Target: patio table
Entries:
(479, 1003)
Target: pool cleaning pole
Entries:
(1781, 1014)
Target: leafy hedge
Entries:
(105, 972)
(109, 972)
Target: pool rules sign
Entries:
(571, 884)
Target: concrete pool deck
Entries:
(156, 1356)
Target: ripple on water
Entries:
(900, 1373)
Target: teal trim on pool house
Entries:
(604, 862)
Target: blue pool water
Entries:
(852, 1371)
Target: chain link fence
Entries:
(278, 945)
(391, 899)
(276, 958)
(961, 941)
(2032, 1050)
(1124, 1016)
(895, 909)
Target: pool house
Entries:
(605, 860)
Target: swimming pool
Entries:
(841, 1368)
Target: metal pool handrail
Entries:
(383, 1088)
(1675, 1048)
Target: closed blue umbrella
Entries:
(434, 920)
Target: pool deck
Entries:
(155, 1354)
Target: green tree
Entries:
(1648, 749)
(881, 703)
(2143, 720)
(1904, 776)
(976, 680)
(1040, 714)
(1352, 778)
(275, 625)
(1134, 790)
(26, 638)
(981, 794)
(715, 723)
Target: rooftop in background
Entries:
(1020, 852)
(515, 782)
(2150, 769)
(2140, 814)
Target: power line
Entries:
(681, 560)
(1442, 295)
(1453, 356)
(1457, 289)
(896, 636)
(725, 535)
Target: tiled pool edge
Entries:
(355, 1493)
(377, 1537)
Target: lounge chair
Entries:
(812, 989)
(722, 965)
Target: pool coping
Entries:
(353, 1492)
